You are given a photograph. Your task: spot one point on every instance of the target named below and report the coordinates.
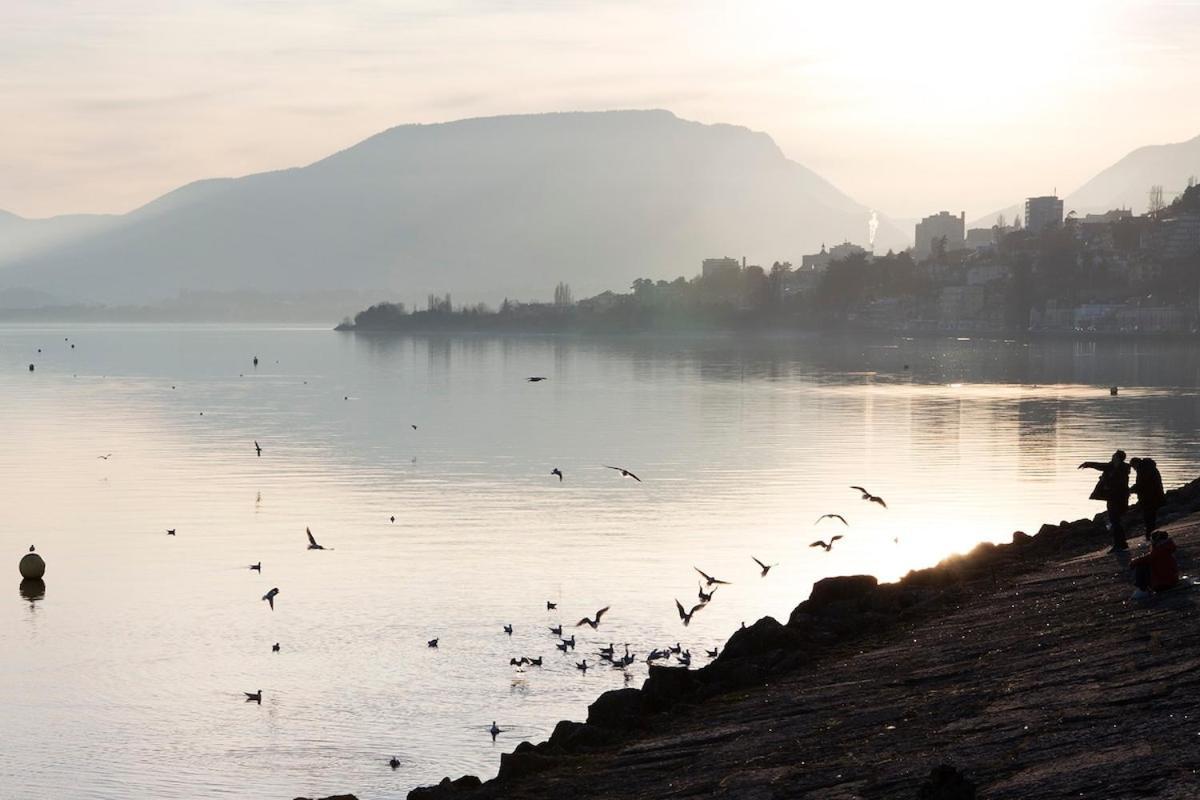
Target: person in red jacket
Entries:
(1157, 570)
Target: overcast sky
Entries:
(909, 107)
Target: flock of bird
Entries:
(605, 655)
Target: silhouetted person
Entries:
(1149, 488)
(1113, 489)
(1157, 570)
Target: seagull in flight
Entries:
(536, 378)
(873, 498)
(257, 449)
(255, 697)
(312, 542)
(624, 472)
(827, 545)
(709, 580)
(704, 596)
(170, 531)
(105, 457)
(256, 567)
(593, 623)
(686, 616)
(270, 597)
(414, 427)
(495, 730)
(833, 516)
(765, 567)
(558, 472)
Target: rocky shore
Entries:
(1021, 670)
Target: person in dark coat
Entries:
(1113, 489)
(1149, 488)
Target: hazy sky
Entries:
(911, 107)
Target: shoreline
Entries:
(840, 663)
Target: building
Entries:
(980, 238)
(1174, 238)
(960, 303)
(1116, 215)
(839, 252)
(942, 225)
(1042, 213)
(720, 267)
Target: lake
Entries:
(124, 679)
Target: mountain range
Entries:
(486, 208)
(483, 208)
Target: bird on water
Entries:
(254, 697)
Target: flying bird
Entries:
(105, 457)
(312, 542)
(833, 516)
(686, 616)
(873, 498)
(704, 596)
(170, 531)
(257, 449)
(255, 697)
(536, 378)
(593, 623)
(765, 567)
(558, 472)
(624, 472)
(827, 545)
(414, 427)
(256, 567)
(432, 643)
(494, 730)
(709, 580)
(270, 597)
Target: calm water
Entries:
(124, 680)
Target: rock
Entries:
(575, 736)
(666, 686)
(762, 637)
(1020, 538)
(523, 761)
(836, 590)
(333, 797)
(618, 710)
(946, 783)
(446, 789)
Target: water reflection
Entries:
(33, 590)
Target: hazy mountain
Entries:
(20, 237)
(484, 208)
(1126, 184)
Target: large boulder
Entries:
(829, 591)
(618, 710)
(447, 789)
(765, 636)
(523, 760)
(666, 686)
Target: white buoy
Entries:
(32, 566)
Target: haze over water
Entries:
(125, 679)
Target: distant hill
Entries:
(21, 238)
(1126, 184)
(483, 208)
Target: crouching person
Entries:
(1157, 570)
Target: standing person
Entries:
(1113, 489)
(1149, 489)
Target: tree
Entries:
(1001, 223)
(1155, 205)
(562, 295)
